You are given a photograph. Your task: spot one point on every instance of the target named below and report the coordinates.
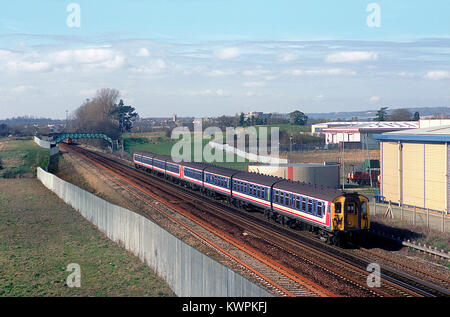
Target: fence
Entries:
(415, 216)
(47, 145)
(187, 271)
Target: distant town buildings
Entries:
(359, 134)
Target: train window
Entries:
(319, 209)
(297, 203)
(304, 204)
(258, 192)
(350, 208)
(363, 208)
(275, 198)
(310, 206)
(337, 208)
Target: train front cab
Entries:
(350, 216)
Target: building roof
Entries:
(375, 126)
(433, 134)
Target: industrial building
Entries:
(415, 167)
(429, 123)
(359, 134)
(326, 174)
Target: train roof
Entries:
(156, 156)
(262, 179)
(221, 170)
(196, 165)
(317, 191)
(147, 154)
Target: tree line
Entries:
(396, 115)
(104, 113)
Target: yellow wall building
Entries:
(415, 167)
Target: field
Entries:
(159, 143)
(20, 158)
(40, 236)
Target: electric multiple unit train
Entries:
(334, 215)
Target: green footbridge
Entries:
(59, 137)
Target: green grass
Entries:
(40, 236)
(21, 158)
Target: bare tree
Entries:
(96, 115)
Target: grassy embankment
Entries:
(20, 158)
(40, 236)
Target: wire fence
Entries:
(431, 219)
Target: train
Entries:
(337, 217)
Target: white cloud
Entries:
(220, 72)
(228, 53)
(255, 72)
(210, 92)
(253, 84)
(153, 67)
(26, 66)
(319, 97)
(375, 99)
(351, 56)
(91, 57)
(143, 52)
(253, 94)
(321, 72)
(437, 75)
(406, 74)
(288, 57)
(22, 89)
(5, 54)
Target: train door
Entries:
(353, 218)
(337, 214)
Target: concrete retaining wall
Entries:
(47, 145)
(187, 271)
(42, 143)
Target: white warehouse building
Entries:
(359, 134)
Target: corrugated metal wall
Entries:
(434, 175)
(187, 271)
(390, 177)
(415, 174)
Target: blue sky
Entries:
(212, 57)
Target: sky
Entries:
(213, 57)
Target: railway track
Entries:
(325, 259)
